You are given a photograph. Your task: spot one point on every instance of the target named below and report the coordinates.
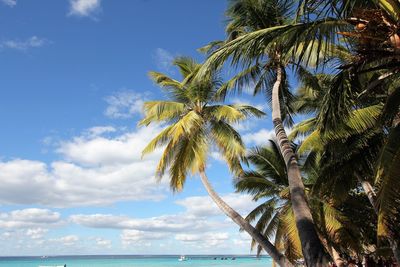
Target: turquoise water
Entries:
(134, 261)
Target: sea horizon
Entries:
(147, 260)
(134, 255)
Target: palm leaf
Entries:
(388, 181)
(159, 111)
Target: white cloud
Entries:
(103, 242)
(260, 137)
(68, 240)
(32, 42)
(29, 218)
(129, 237)
(164, 223)
(84, 8)
(204, 240)
(217, 156)
(163, 60)
(200, 216)
(207, 237)
(36, 233)
(124, 105)
(203, 206)
(95, 171)
(241, 101)
(10, 3)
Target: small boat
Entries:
(182, 258)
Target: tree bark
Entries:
(369, 191)
(245, 225)
(339, 261)
(313, 250)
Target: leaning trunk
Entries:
(334, 254)
(369, 191)
(313, 250)
(245, 225)
(337, 258)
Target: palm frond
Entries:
(164, 81)
(388, 181)
(229, 142)
(160, 111)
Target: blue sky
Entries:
(74, 78)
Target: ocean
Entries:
(136, 261)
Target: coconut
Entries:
(395, 41)
(360, 26)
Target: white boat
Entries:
(182, 258)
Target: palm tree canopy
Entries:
(195, 123)
(274, 216)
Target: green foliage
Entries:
(196, 122)
(388, 182)
(274, 217)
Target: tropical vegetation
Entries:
(329, 190)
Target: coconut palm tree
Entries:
(270, 59)
(196, 123)
(351, 151)
(275, 216)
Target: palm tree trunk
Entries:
(369, 191)
(337, 259)
(313, 250)
(334, 254)
(245, 225)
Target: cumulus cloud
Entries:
(204, 240)
(258, 138)
(36, 233)
(101, 242)
(23, 45)
(10, 3)
(164, 223)
(68, 240)
(84, 8)
(207, 237)
(95, 171)
(28, 218)
(198, 217)
(124, 105)
(200, 224)
(203, 206)
(135, 237)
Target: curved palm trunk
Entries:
(313, 250)
(334, 254)
(245, 225)
(339, 261)
(369, 191)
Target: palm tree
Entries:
(247, 19)
(275, 216)
(197, 122)
(351, 150)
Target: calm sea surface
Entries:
(134, 261)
